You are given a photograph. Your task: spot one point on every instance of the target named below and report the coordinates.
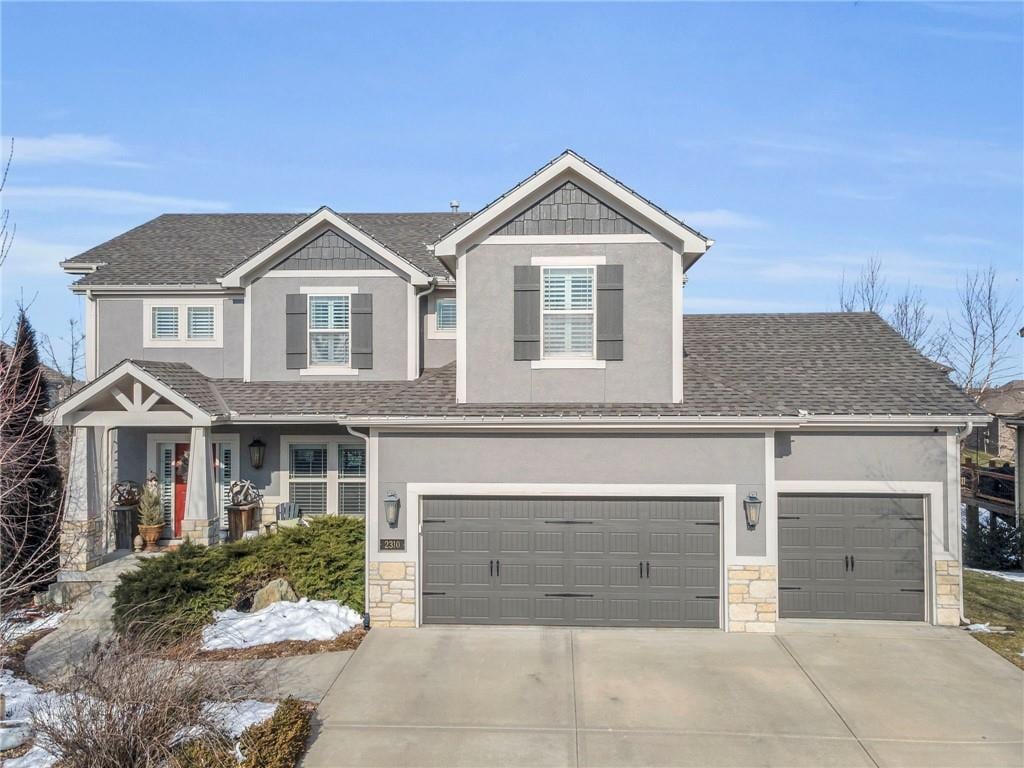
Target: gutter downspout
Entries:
(968, 428)
(366, 524)
(431, 287)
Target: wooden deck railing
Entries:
(987, 483)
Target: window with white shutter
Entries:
(329, 326)
(567, 313)
(351, 480)
(200, 323)
(164, 323)
(307, 478)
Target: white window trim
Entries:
(328, 370)
(433, 332)
(333, 478)
(554, 363)
(567, 261)
(570, 362)
(182, 340)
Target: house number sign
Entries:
(392, 545)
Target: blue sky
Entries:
(803, 138)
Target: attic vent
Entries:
(454, 206)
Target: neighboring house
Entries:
(520, 386)
(998, 437)
(58, 386)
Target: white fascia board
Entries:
(568, 166)
(134, 290)
(70, 406)
(755, 424)
(81, 267)
(324, 217)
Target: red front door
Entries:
(180, 484)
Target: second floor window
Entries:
(329, 330)
(444, 315)
(164, 323)
(200, 323)
(567, 312)
(181, 323)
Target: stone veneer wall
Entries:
(947, 592)
(81, 544)
(201, 531)
(753, 598)
(391, 594)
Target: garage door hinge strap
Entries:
(911, 590)
(566, 594)
(789, 588)
(434, 594)
(569, 522)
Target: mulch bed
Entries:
(348, 641)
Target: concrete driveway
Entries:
(816, 694)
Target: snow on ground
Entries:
(978, 628)
(18, 623)
(1017, 576)
(23, 697)
(304, 620)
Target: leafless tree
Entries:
(27, 543)
(868, 292)
(7, 227)
(977, 334)
(70, 363)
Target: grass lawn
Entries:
(1000, 603)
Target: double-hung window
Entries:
(567, 313)
(329, 337)
(182, 323)
(326, 477)
(444, 315)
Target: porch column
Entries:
(81, 533)
(200, 524)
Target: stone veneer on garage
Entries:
(391, 594)
(947, 592)
(753, 598)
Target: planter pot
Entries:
(14, 733)
(151, 534)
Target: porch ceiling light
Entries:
(257, 449)
(752, 510)
(391, 507)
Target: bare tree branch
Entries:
(7, 227)
(868, 293)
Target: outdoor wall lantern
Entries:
(391, 506)
(752, 509)
(257, 449)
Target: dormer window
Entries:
(182, 323)
(329, 322)
(567, 313)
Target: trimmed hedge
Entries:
(173, 596)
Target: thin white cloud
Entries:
(37, 258)
(103, 200)
(720, 218)
(60, 148)
(968, 241)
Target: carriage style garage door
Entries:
(571, 561)
(851, 557)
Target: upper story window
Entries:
(567, 313)
(182, 323)
(444, 315)
(329, 325)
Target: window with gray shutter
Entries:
(526, 311)
(609, 312)
(295, 330)
(362, 330)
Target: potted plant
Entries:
(151, 515)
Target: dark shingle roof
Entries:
(197, 248)
(734, 365)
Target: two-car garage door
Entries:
(571, 561)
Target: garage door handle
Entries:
(853, 563)
(497, 567)
(648, 569)
(846, 562)
(567, 594)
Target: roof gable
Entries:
(329, 250)
(570, 167)
(569, 210)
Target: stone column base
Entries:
(391, 594)
(947, 593)
(81, 545)
(753, 597)
(201, 531)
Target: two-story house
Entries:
(516, 402)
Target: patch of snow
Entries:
(983, 628)
(304, 620)
(1016, 576)
(235, 717)
(37, 757)
(18, 623)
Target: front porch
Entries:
(132, 425)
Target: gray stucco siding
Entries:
(493, 375)
(434, 352)
(898, 457)
(390, 327)
(625, 459)
(121, 327)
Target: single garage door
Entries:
(851, 557)
(571, 561)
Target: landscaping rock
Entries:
(276, 591)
